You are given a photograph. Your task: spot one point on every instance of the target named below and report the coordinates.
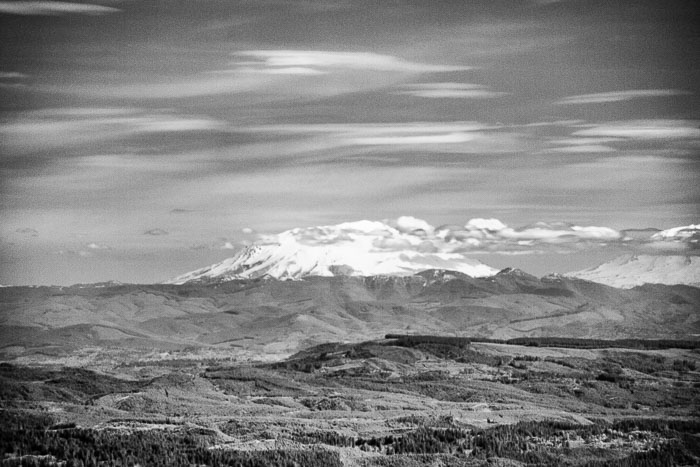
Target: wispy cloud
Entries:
(371, 129)
(309, 61)
(54, 8)
(450, 91)
(480, 231)
(273, 75)
(313, 6)
(54, 128)
(618, 96)
(427, 139)
(584, 141)
(10, 75)
(289, 70)
(584, 148)
(390, 136)
(644, 129)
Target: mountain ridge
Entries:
(255, 318)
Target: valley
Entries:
(386, 402)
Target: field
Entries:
(402, 401)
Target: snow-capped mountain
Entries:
(629, 271)
(688, 234)
(363, 248)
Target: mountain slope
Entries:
(629, 271)
(257, 318)
(363, 248)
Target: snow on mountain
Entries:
(629, 271)
(362, 248)
(688, 234)
(409, 245)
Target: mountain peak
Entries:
(362, 248)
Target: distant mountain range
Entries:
(632, 270)
(259, 317)
(371, 248)
(359, 281)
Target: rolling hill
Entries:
(268, 317)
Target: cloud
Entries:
(644, 130)
(450, 91)
(156, 232)
(260, 76)
(54, 8)
(291, 70)
(683, 233)
(584, 141)
(418, 134)
(677, 240)
(618, 96)
(444, 138)
(493, 230)
(685, 237)
(372, 129)
(410, 235)
(485, 225)
(318, 61)
(13, 80)
(12, 76)
(410, 224)
(313, 6)
(477, 235)
(55, 128)
(584, 148)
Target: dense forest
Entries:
(34, 440)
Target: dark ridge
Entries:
(425, 339)
(562, 342)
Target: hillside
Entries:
(267, 318)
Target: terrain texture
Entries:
(434, 369)
(393, 402)
(272, 319)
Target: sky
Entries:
(140, 139)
